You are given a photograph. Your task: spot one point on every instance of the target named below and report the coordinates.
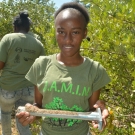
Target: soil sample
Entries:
(34, 109)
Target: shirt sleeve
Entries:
(32, 73)
(36, 72)
(101, 79)
(3, 49)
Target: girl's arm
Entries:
(38, 98)
(93, 99)
(1, 65)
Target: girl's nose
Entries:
(68, 38)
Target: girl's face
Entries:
(70, 31)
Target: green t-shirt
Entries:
(18, 51)
(66, 88)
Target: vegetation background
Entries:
(111, 41)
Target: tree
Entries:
(112, 42)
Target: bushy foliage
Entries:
(112, 34)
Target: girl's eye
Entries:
(75, 32)
(60, 32)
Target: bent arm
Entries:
(93, 99)
(2, 64)
(38, 97)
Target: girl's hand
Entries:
(25, 118)
(105, 113)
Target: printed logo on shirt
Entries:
(19, 50)
(68, 89)
(29, 51)
(17, 58)
(27, 59)
(58, 104)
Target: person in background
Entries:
(18, 52)
(67, 80)
(34, 35)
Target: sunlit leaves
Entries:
(133, 125)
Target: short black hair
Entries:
(77, 6)
(22, 20)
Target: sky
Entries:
(58, 3)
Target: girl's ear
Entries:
(85, 33)
(16, 29)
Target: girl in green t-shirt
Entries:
(67, 80)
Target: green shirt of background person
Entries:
(18, 52)
(67, 80)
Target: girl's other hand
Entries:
(25, 118)
(105, 113)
